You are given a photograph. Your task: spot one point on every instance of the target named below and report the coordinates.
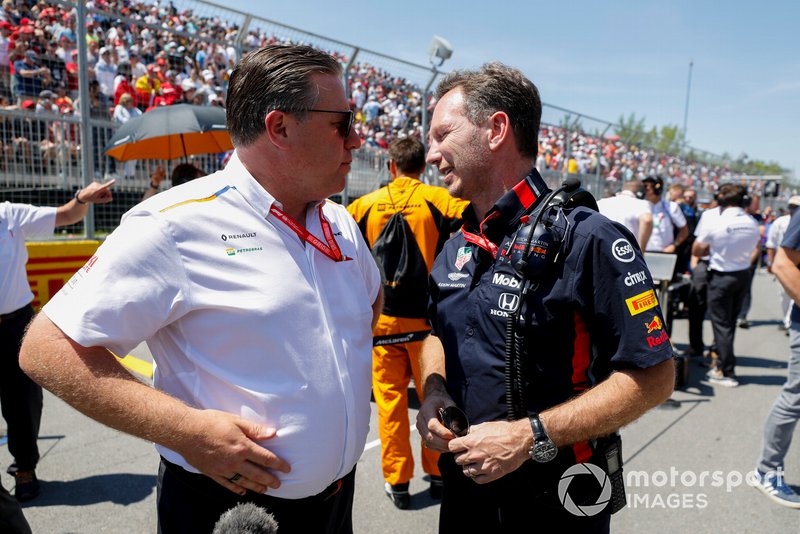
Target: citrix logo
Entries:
(635, 278)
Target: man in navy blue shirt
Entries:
(588, 334)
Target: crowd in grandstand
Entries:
(170, 56)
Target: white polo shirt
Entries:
(625, 209)
(777, 230)
(240, 316)
(666, 217)
(18, 223)
(732, 237)
(705, 218)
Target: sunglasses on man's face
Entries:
(343, 127)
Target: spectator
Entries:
(30, 77)
(105, 72)
(181, 174)
(123, 112)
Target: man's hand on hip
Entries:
(224, 447)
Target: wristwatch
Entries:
(543, 449)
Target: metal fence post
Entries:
(87, 145)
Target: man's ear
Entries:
(276, 124)
(499, 129)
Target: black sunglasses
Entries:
(344, 129)
(455, 420)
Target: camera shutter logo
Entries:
(586, 510)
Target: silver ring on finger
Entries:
(234, 478)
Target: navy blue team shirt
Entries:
(595, 313)
(791, 240)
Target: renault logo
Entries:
(508, 302)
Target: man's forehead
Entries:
(449, 106)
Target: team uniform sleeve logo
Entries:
(642, 302)
(623, 251)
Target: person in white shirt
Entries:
(257, 298)
(774, 237)
(667, 218)
(731, 242)
(630, 210)
(20, 396)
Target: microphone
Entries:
(571, 184)
(246, 518)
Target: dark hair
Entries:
(657, 182)
(496, 87)
(183, 173)
(409, 155)
(731, 195)
(270, 78)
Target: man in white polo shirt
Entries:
(669, 224)
(631, 211)
(256, 297)
(731, 242)
(20, 397)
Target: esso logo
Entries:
(623, 251)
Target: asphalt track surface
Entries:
(98, 480)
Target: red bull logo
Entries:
(654, 341)
(655, 324)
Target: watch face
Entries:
(544, 451)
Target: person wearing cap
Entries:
(769, 474)
(20, 397)
(774, 238)
(30, 77)
(105, 71)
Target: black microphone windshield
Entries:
(246, 518)
(571, 184)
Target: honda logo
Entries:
(508, 302)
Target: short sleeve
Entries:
(678, 218)
(34, 222)
(791, 239)
(134, 285)
(625, 318)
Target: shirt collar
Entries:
(253, 192)
(519, 200)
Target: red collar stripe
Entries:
(525, 194)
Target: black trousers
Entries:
(726, 292)
(523, 501)
(11, 519)
(698, 304)
(748, 295)
(191, 503)
(20, 397)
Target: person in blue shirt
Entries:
(585, 353)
